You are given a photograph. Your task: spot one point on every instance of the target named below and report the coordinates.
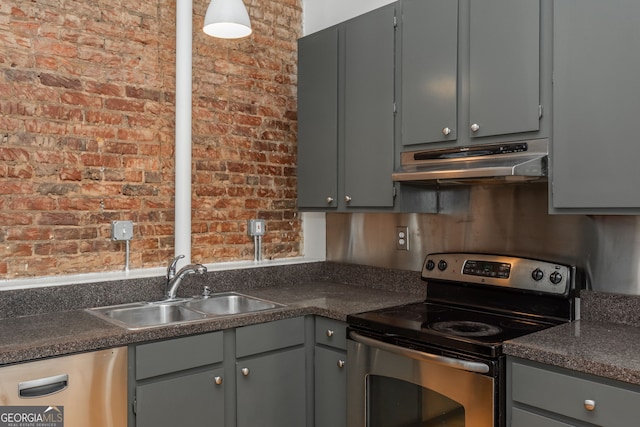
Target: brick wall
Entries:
(87, 134)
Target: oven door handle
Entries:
(478, 367)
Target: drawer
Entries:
(331, 332)
(520, 418)
(566, 394)
(269, 336)
(178, 354)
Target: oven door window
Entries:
(396, 403)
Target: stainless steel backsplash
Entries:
(499, 219)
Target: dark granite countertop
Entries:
(58, 333)
(605, 342)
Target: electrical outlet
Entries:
(122, 230)
(402, 238)
(256, 227)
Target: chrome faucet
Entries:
(174, 279)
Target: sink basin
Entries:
(230, 303)
(146, 315)
(138, 315)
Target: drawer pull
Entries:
(217, 380)
(43, 387)
(340, 364)
(589, 405)
(330, 333)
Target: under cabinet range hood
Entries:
(506, 162)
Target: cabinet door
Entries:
(271, 390)
(192, 400)
(429, 78)
(504, 67)
(368, 99)
(318, 119)
(596, 100)
(330, 388)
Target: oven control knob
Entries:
(555, 278)
(430, 265)
(442, 265)
(537, 274)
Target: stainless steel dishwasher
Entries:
(87, 389)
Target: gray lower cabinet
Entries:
(330, 373)
(245, 377)
(346, 114)
(271, 374)
(596, 99)
(187, 400)
(470, 69)
(178, 382)
(545, 396)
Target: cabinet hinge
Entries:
(395, 22)
(539, 111)
(395, 191)
(135, 405)
(395, 108)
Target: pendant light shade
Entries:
(227, 19)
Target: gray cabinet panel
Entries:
(178, 354)
(563, 392)
(331, 332)
(504, 67)
(521, 418)
(192, 400)
(263, 337)
(273, 392)
(368, 116)
(330, 388)
(596, 101)
(429, 66)
(318, 119)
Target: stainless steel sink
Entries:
(230, 303)
(142, 315)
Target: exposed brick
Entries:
(60, 81)
(87, 135)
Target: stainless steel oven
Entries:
(440, 362)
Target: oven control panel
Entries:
(495, 270)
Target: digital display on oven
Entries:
(500, 270)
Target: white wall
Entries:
(320, 14)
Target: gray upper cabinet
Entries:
(429, 67)
(596, 101)
(470, 69)
(318, 120)
(369, 116)
(504, 67)
(346, 114)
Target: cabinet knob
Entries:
(347, 199)
(330, 333)
(589, 405)
(245, 372)
(329, 200)
(340, 364)
(446, 131)
(218, 380)
(475, 127)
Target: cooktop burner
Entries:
(466, 328)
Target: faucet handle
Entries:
(171, 270)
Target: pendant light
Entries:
(227, 19)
